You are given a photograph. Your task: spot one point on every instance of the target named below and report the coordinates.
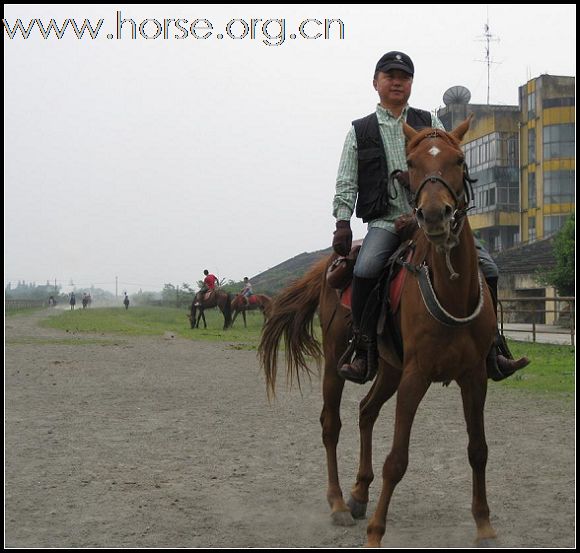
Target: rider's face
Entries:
(394, 87)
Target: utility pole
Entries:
(116, 287)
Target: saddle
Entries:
(339, 276)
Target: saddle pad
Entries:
(346, 296)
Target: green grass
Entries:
(552, 369)
(22, 311)
(156, 321)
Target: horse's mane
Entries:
(426, 133)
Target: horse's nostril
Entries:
(448, 212)
(419, 214)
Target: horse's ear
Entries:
(459, 131)
(408, 131)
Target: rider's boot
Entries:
(365, 311)
(500, 361)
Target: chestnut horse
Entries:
(443, 343)
(218, 298)
(257, 301)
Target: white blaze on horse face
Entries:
(434, 151)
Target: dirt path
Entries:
(160, 442)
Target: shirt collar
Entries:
(385, 115)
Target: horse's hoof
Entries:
(342, 518)
(486, 542)
(357, 509)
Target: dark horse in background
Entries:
(255, 301)
(450, 345)
(207, 300)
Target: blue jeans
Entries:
(379, 244)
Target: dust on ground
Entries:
(167, 442)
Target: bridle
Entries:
(462, 201)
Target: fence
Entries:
(546, 315)
(18, 305)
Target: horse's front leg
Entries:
(199, 317)
(473, 393)
(383, 388)
(244, 316)
(412, 388)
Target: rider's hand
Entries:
(342, 240)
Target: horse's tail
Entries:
(192, 313)
(291, 315)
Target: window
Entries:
(553, 223)
(532, 194)
(531, 105)
(559, 186)
(531, 145)
(558, 141)
(531, 229)
(491, 150)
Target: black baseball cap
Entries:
(395, 60)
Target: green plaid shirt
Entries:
(391, 129)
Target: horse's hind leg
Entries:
(332, 388)
(383, 388)
(473, 392)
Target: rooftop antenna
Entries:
(487, 38)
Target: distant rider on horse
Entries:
(247, 290)
(209, 283)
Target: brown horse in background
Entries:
(256, 301)
(203, 301)
(434, 350)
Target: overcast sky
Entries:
(152, 159)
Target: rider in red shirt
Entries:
(209, 280)
(209, 284)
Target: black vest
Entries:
(373, 173)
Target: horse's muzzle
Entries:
(435, 222)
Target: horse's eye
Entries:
(409, 163)
(461, 161)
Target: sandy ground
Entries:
(163, 442)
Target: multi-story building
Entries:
(547, 160)
(523, 157)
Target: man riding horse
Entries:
(247, 291)
(209, 284)
(375, 148)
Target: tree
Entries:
(562, 276)
(169, 293)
